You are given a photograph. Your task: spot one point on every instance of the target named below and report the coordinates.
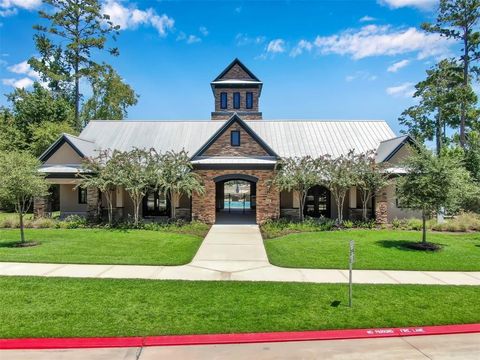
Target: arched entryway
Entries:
(235, 199)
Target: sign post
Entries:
(350, 266)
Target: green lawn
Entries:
(375, 249)
(100, 246)
(44, 307)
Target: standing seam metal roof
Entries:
(287, 138)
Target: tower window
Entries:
(235, 138)
(249, 100)
(236, 100)
(223, 100)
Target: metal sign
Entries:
(350, 267)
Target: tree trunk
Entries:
(173, 198)
(424, 227)
(438, 132)
(465, 85)
(22, 235)
(303, 196)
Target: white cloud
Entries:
(18, 83)
(203, 30)
(361, 75)
(303, 45)
(420, 4)
(238, 9)
(367, 18)
(374, 40)
(23, 68)
(276, 46)
(244, 39)
(131, 17)
(10, 7)
(403, 90)
(192, 39)
(398, 65)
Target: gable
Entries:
(401, 154)
(220, 142)
(248, 145)
(236, 71)
(65, 154)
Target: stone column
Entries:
(381, 207)
(203, 206)
(93, 204)
(40, 206)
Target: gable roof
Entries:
(82, 146)
(234, 119)
(286, 138)
(236, 61)
(388, 148)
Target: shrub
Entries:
(74, 222)
(348, 224)
(414, 224)
(396, 224)
(11, 222)
(280, 227)
(44, 223)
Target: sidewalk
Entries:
(458, 346)
(236, 253)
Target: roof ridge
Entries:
(394, 138)
(79, 138)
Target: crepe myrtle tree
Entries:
(339, 176)
(20, 182)
(433, 182)
(298, 174)
(101, 172)
(136, 173)
(371, 177)
(174, 177)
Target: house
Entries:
(234, 153)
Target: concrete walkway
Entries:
(236, 252)
(459, 346)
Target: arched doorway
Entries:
(235, 199)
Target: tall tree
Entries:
(458, 20)
(111, 96)
(20, 181)
(298, 174)
(81, 28)
(438, 105)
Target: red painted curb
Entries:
(210, 339)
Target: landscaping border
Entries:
(242, 338)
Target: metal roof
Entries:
(60, 169)
(287, 138)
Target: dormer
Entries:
(236, 90)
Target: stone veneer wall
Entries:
(41, 206)
(268, 200)
(381, 207)
(248, 146)
(243, 99)
(93, 204)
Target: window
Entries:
(235, 138)
(236, 100)
(249, 100)
(223, 100)
(82, 196)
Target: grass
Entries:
(100, 246)
(60, 307)
(375, 249)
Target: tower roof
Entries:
(244, 74)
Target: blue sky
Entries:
(347, 59)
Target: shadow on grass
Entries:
(17, 244)
(404, 245)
